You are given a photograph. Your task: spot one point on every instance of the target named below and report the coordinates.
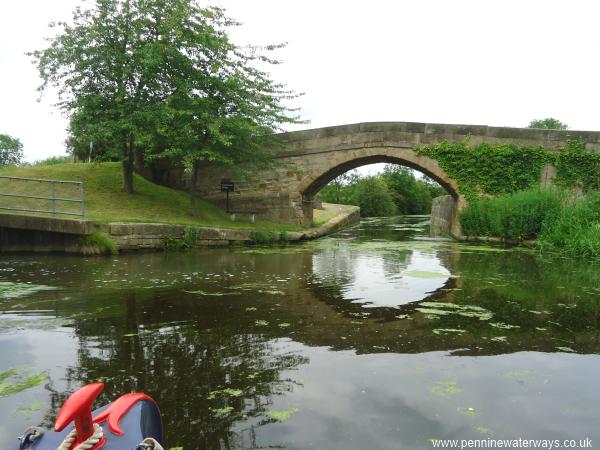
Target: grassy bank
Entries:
(560, 221)
(106, 202)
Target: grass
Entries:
(516, 216)
(106, 202)
(560, 221)
(321, 216)
(575, 229)
(99, 242)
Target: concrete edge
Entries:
(130, 236)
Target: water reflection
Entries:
(353, 339)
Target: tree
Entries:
(162, 75)
(224, 109)
(548, 124)
(374, 198)
(11, 150)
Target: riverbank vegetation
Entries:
(394, 191)
(501, 183)
(105, 200)
(560, 220)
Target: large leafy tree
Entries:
(224, 108)
(162, 75)
(11, 150)
(548, 124)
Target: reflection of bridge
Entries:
(311, 158)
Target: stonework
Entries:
(308, 160)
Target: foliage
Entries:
(162, 75)
(100, 242)
(490, 169)
(11, 150)
(515, 216)
(575, 229)
(374, 198)
(577, 168)
(342, 190)
(548, 124)
(189, 239)
(409, 195)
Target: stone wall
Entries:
(442, 215)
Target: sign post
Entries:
(227, 187)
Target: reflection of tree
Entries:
(206, 377)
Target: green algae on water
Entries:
(13, 290)
(444, 309)
(227, 392)
(30, 409)
(445, 389)
(446, 331)
(19, 383)
(566, 349)
(468, 412)
(226, 410)
(282, 416)
(503, 326)
(212, 294)
(425, 275)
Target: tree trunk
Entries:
(193, 183)
(128, 165)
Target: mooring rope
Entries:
(87, 444)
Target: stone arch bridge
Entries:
(309, 159)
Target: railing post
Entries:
(53, 198)
(81, 199)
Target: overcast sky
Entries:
(488, 62)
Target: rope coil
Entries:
(87, 444)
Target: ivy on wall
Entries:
(577, 168)
(488, 169)
(494, 169)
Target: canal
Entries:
(378, 337)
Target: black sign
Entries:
(227, 186)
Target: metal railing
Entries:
(51, 197)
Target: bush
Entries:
(515, 216)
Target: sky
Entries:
(488, 62)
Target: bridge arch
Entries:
(345, 160)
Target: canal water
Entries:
(378, 337)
